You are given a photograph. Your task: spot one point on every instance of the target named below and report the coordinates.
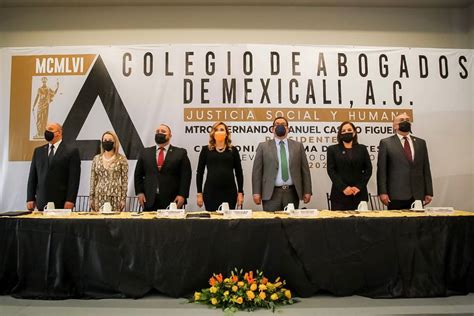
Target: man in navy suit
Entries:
(403, 168)
(163, 173)
(54, 173)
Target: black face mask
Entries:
(48, 135)
(108, 145)
(347, 137)
(404, 126)
(160, 138)
(280, 130)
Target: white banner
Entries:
(132, 89)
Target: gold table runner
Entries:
(256, 215)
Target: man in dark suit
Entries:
(280, 173)
(403, 168)
(163, 173)
(54, 173)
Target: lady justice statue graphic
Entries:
(44, 97)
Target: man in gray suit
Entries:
(280, 172)
(403, 168)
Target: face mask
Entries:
(160, 138)
(404, 126)
(108, 145)
(280, 130)
(48, 135)
(347, 137)
(219, 136)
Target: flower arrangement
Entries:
(241, 291)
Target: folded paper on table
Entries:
(57, 212)
(304, 213)
(439, 210)
(237, 214)
(172, 213)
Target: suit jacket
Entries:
(58, 182)
(265, 169)
(400, 178)
(346, 169)
(173, 179)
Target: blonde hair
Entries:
(212, 140)
(116, 142)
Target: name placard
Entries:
(304, 213)
(57, 212)
(237, 214)
(180, 213)
(440, 210)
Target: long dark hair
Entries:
(354, 141)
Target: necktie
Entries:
(407, 149)
(51, 155)
(161, 158)
(284, 162)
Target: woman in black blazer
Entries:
(349, 167)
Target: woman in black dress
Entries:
(349, 167)
(222, 161)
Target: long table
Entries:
(374, 254)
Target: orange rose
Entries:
(250, 295)
(240, 300)
(264, 280)
(235, 288)
(262, 295)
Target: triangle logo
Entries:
(100, 84)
